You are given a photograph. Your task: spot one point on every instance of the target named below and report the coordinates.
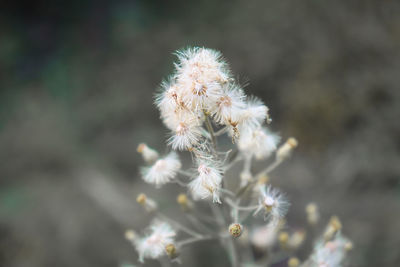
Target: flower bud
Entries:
(141, 199)
(312, 213)
(235, 229)
(285, 150)
(283, 239)
(293, 262)
(184, 202)
(130, 235)
(348, 246)
(333, 227)
(149, 155)
(171, 251)
(297, 239)
(149, 204)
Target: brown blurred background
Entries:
(77, 80)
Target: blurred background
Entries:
(77, 80)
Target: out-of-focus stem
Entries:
(194, 239)
(267, 170)
(270, 168)
(179, 226)
(221, 131)
(210, 130)
(198, 223)
(230, 246)
(235, 206)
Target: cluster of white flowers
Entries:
(331, 253)
(200, 102)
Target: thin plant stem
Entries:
(198, 224)
(193, 240)
(227, 192)
(235, 206)
(270, 168)
(179, 225)
(210, 131)
(221, 131)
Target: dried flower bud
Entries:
(171, 251)
(130, 235)
(149, 204)
(149, 155)
(312, 213)
(235, 229)
(141, 199)
(296, 239)
(184, 202)
(293, 262)
(348, 246)
(285, 150)
(283, 239)
(333, 227)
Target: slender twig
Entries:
(228, 192)
(235, 206)
(231, 164)
(251, 183)
(179, 225)
(230, 246)
(198, 223)
(210, 131)
(221, 131)
(179, 182)
(270, 168)
(192, 240)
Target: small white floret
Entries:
(186, 136)
(207, 183)
(162, 171)
(258, 142)
(254, 114)
(152, 245)
(228, 107)
(149, 154)
(273, 202)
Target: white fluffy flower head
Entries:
(152, 246)
(163, 170)
(254, 114)
(229, 106)
(273, 202)
(208, 182)
(258, 142)
(187, 135)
